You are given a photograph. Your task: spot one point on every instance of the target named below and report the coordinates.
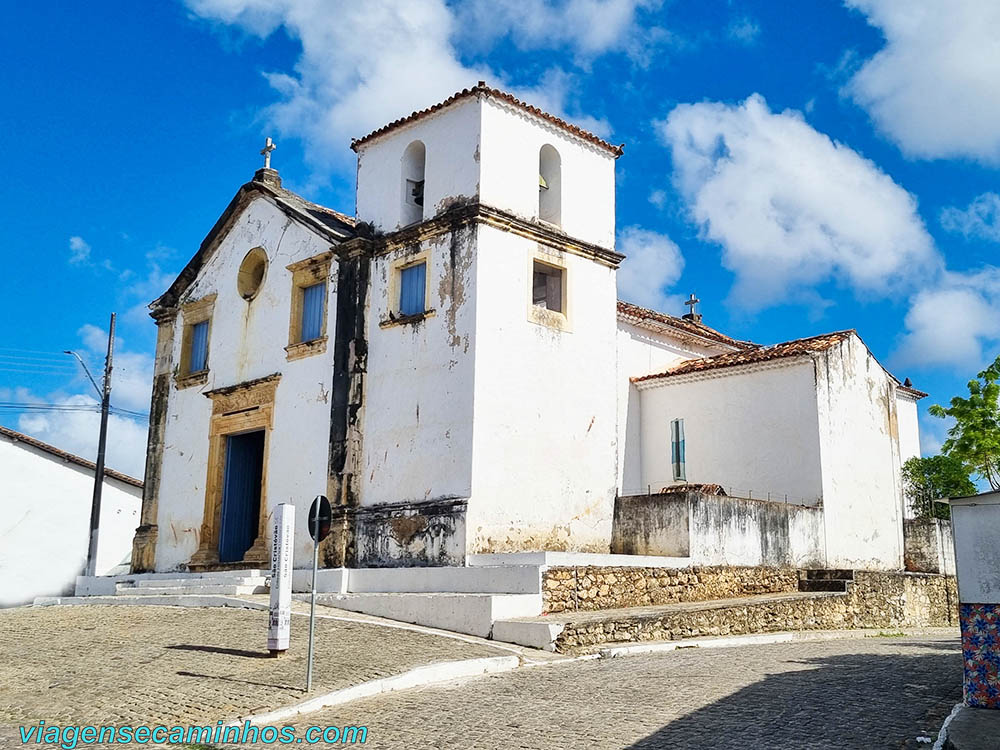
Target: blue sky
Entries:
(803, 167)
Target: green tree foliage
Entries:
(928, 479)
(975, 438)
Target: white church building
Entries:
(452, 367)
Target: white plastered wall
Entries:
(909, 434)
(642, 351)
(545, 406)
(451, 169)
(247, 341)
(750, 429)
(419, 385)
(45, 523)
(511, 142)
(859, 426)
(480, 148)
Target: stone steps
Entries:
(217, 589)
(825, 580)
(169, 583)
(571, 632)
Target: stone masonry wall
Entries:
(884, 601)
(593, 588)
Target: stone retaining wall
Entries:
(591, 588)
(886, 601)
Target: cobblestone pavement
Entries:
(171, 665)
(844, 694)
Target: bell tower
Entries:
(490, 393)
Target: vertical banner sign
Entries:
(281, 578)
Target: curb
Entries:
(741, 640)
(418, 677)
(942, 738)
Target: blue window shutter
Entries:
(313, 298)
(677, 449)
(199, 346)
(412, 281)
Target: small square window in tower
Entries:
(412, 289)
(547, 287)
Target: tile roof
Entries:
(327, 216)
(20, 437)
(482, 88)
(916, 394)
(796, 348)
(637, 314)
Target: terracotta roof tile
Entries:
(19, 437)
(637, 314)
(917, 394)
(796, 348)
(482, 88)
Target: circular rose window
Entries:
(251, 274)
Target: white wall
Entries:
(511, 142)
(747, 429)
(545, 406)
(909, 426)
(451, 169)
(45, 523)
(482, 148)
(643, 352)
(861, 460)
(419, 385)
(909, 434)
(976, 527)
(247, 341)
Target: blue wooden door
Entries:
(241, 495)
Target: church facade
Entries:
(452, 368)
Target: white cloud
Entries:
(743, 30)
(366, 64)
(79, 250)
(652, 264)
(933, 433)
(132, 379)
(77, 433)
(658, 198)
(792, 208)
(588, 27)
(981, 219)
(954, 322)
(934, 88)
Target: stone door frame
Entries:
(246, 407)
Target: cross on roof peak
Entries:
(266, 152)
(692, 313)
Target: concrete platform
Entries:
(472, 614)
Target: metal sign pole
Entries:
(312, 606)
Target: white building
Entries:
(45, 496)
(453, 369)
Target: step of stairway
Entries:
(577, 631)
(820, 584)
(167, 583)
(223, 589)
(828, 574)
(472, 614)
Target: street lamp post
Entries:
(105, 394)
